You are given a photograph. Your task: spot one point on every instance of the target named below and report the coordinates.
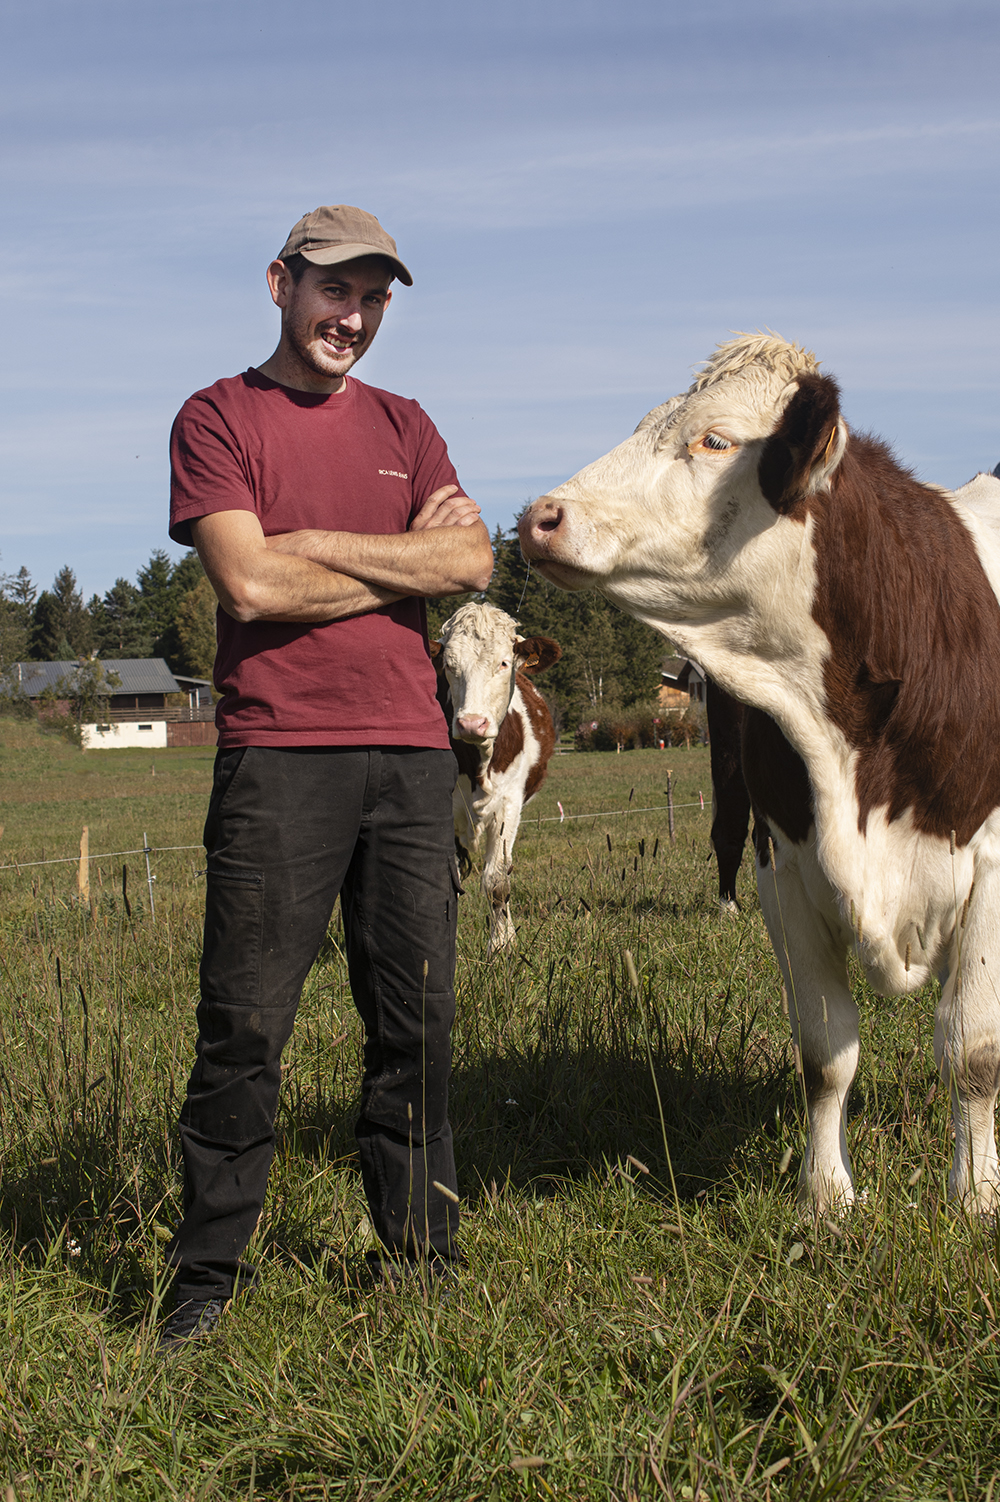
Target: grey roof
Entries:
(138, 675)
(676, 671)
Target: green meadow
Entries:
(643, 1314)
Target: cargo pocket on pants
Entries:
(234, 935)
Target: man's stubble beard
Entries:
(304, 350)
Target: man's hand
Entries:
(457, 558)
(445, 508)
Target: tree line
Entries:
(168, 612)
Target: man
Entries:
(323, 511)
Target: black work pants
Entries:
(287, 831)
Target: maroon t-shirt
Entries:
(361, 461)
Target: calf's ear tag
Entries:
(529, 662)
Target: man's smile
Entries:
(341, 343)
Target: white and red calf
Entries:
(502, 736)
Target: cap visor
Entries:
(332, 255)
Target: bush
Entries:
(640, 726)
(690, 728)
(14, 702)
(621, 729)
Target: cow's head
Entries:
(480, 652)
(669, 523)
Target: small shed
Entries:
(682, 683)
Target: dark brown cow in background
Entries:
(730, 798)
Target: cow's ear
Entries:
(806, 446)
(436, 648)
(536, 653)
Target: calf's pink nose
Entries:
(473, 724)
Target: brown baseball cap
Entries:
(337, 232)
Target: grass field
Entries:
(643, 1314)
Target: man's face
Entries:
(330, 317)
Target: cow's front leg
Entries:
(824, 1021)
(466, 830)
(967, 1047)
(501, 832)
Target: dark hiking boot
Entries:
(193, 1320)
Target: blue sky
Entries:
(590, 197)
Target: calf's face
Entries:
(481, 678)
(481, 667)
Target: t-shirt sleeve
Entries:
(207, 469)
(432, 467)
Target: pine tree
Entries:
(163, 585)
(186, 576)
(17, 598)
(196, 630)
(158, 602)
(21, 593)
(120, 627)
(45, 629)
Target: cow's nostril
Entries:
(551, 523)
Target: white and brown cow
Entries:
(855, 612)
(502, 735)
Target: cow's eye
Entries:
(714, 441)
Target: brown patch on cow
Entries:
(804, 434)
(540, 719)
(819, 1078)
(537, 653)
(913, 676)
(731, 814)
(509, 742)
(777, 781)
(978, 1073)
(470, 762)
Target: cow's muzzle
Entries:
(469, 727)
(539, 526)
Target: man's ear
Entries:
(279, 281)
(536, 653)
(807, 445)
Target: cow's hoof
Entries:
(728, 906)
(981, 1201)
(503, 940)
(826, 1197)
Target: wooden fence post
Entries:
(149, 877)
(83, 874)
